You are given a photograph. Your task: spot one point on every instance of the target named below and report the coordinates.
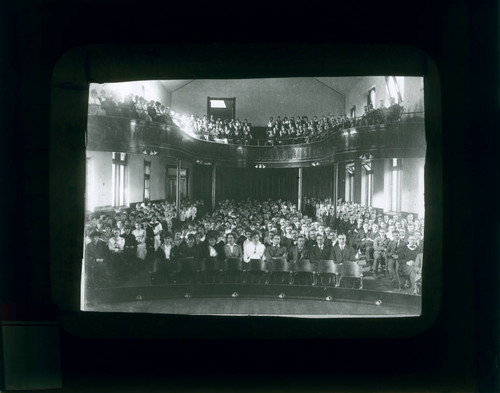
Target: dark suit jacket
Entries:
(187, 252)
(345, 255)
(295, 255)
(96, 251)
(286, 242)
(275, 252)
(399, 250)
(310, 243)
(316, 254)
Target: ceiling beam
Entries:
(185, 84)
(331, 88)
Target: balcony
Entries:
(402, 139)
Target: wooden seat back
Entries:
(327, 266)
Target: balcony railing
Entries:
(351, 122)
(114, 133)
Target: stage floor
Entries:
(255, 307)
(382, 283)
(215, 299)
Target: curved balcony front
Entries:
(107, 133)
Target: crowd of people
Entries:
(216, 130)
(133, 106)
(279, 131)
(153, 236)
(301, 129)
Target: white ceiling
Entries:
(340, 84)
(175, 84)
(343, 85)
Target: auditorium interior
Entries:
(322, 177)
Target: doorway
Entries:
(223, 108)
(171, 183)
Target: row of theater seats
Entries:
(274, 271)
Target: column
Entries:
(299, 203)
(335, 187)
(178, 189)
(214, 173)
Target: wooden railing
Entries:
(113, 133)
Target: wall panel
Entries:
(258, 99)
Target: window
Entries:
(353, 111)
(395, 87)
(395, 165)
(372, 98)
(118, 179)
(147, 178)
(221, 108)
(349, 183)
(368, 186)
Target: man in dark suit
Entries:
(395, 254)
(298, 252)
(379, 250)
(370, 240)
(320, 251)
(354, 234)
(363, 238)
(311, 240)
(342, 252)
(276, 251)
(96, 258)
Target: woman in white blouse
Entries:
(140, 237)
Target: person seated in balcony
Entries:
(270, 135)
(109, 105)
(247, 135)
(381, 113)
(151, 109)
(394, 111)
(158, 118)
(95, 104)
(283, 136)
(142, 109)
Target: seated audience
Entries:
(408, 267)
(235, 229)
